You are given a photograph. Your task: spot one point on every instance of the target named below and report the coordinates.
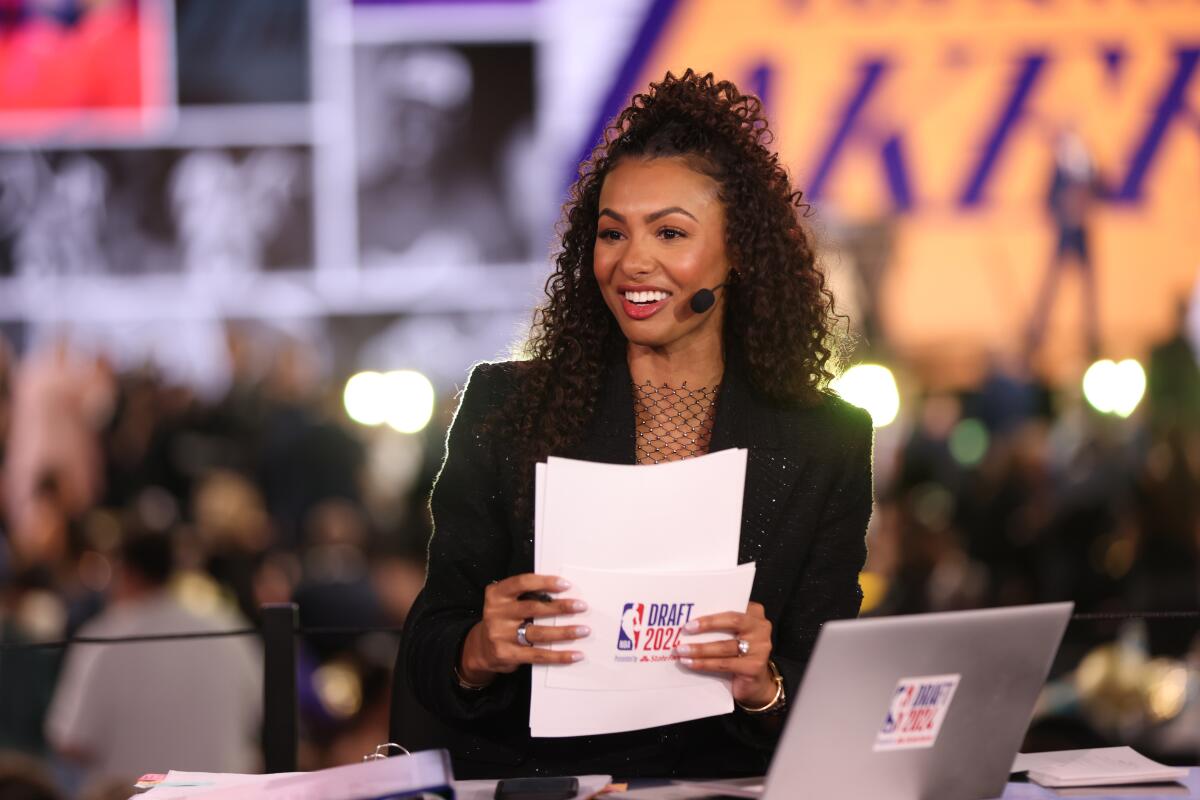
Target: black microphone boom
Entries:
(703, 300)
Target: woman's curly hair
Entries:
(778, 315)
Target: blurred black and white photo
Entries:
(198, 212)
(443, 141)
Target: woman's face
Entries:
(660, 238)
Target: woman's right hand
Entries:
(491, 647)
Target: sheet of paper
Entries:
(636, 621)
(380, 778)
(1094, 767)
(683, 515)
(179, 784)
(680, 515)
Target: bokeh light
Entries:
(871, 387)
(969, 442)
(410, 401)
(403, 399)
(365, 398)
(1114, 388)
(339, 689)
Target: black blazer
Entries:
(805, 511)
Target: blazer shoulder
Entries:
(492, 380)
(832, 424)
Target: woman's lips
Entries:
(642, 310)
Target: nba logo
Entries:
(631, 626)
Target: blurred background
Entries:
(249, 250)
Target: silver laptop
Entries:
(922, 707)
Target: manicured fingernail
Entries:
(578, 605)
(684, 649)
(577, 656)
(687, 662)
(582, 631)
(692, 627)
(562, 585)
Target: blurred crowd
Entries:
(1015, 492)
(131, 506)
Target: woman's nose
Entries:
(637, 259)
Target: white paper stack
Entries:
(409, 775)
(1103, 766)
(676, 525)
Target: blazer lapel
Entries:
(743, 420)
(612, 438)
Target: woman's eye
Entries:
(671, 233)
(611, 235)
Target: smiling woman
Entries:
(636, 357)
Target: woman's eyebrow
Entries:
(662, 212)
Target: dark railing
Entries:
(280, 627)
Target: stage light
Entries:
(410, 401)
(366, 398)
(871, 387)
(1114, 388)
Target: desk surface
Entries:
(1014, 791)
(1031, 791)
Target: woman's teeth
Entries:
(646, 297)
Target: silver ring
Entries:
(521, 629)
(743, 648)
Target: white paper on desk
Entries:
(636, 620)
(683, 515)
(383, 777)
(1101, 766)
(179, 784)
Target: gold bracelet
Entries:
(778, 700)
(463, 683)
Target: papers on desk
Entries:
(1104, 766)
(603, 525)
(427, 771)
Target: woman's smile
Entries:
(643, 302)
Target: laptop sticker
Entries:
(918, 708)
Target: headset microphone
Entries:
(703, 300)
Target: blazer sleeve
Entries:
(469, 549)
(828, 587)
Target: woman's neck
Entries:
(700, 365)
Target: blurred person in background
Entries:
(125, 709)
(29, 613)
(306, 454)
(1074, 189)
(23, 778)
(60, 402)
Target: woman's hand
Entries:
(753, 683)
(491, 647)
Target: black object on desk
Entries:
(537, 789)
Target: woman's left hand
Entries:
(753, 683)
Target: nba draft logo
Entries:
(918, 708)
(631, 626)
(650, 631)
